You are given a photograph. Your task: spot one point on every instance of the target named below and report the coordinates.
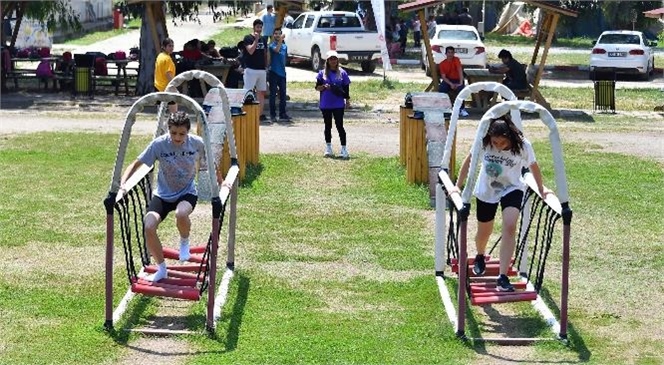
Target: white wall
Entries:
(92, 10)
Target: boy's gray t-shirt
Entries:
(177, 165)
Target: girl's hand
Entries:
(544, 192)
(347, 103)
(455, 189)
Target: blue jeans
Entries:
(275, 82)
(445, 88)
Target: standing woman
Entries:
(164, 69)
(333, 84)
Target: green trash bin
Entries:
(605, 95)
(82, 78)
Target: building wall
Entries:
(93, 10)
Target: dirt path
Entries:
(369, 133)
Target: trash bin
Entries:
(118, 19)
(605, 95)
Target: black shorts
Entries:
(162, 207)
(486, 212)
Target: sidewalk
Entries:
(182, 33)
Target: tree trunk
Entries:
(153, 30)
(20, 8)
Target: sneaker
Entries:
(479, 266)
(463, 113)
(285, 118)
(185, 255)
(273, 119)
(328, 151)
(344, 153)
(503, 283)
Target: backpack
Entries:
(100, 67)
(44, 70)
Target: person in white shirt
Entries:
(505, 153)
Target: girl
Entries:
(333, 84)
(504, 153)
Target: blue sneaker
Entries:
(479, 267)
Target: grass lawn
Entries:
(371, 93)
(334, 262)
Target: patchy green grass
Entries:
(334, 262)
(94, 37)
(229, 37)
(501, 40)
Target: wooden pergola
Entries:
(546, 30)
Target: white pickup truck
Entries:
(314, 33)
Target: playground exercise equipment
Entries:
(189, 281)
(537, 226)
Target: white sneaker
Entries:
(328, 151)
(463, 113)
(185, 255)
(344, 153)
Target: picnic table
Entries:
(219, 70)
(121, 77)
(26, 69)
(482, 100)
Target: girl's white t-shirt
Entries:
(500, 173)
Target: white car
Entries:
(623, 51)
(466, 42)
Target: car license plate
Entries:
(461, 50)
(358, 58)
(617, 54)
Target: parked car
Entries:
(314, 33)
(624, 52)
(466, 42)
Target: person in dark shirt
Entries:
(255, 61)
(465, 18)
(515, 72)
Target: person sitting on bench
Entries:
(515, 72)
(451, 77)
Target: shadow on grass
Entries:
(234, 318)
(252, 174)
(121, 335)
(515, 326)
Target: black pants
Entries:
(338, 115)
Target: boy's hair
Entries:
(257, 22)
(277, 29)
(179, 119)
(504, 127)
(270, 7)
(505, 54)
(449, 48)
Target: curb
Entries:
(582, 68)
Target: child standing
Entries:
(333, 84)
(504, 153)
(277, 76)
(177, 153)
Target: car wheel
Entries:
(427, 71)
(368, 66)
(422, 65)
(316, 60)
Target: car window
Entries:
(459, 35)
(310, 21)
(299, 21)
(339, 21)
(619, 39)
